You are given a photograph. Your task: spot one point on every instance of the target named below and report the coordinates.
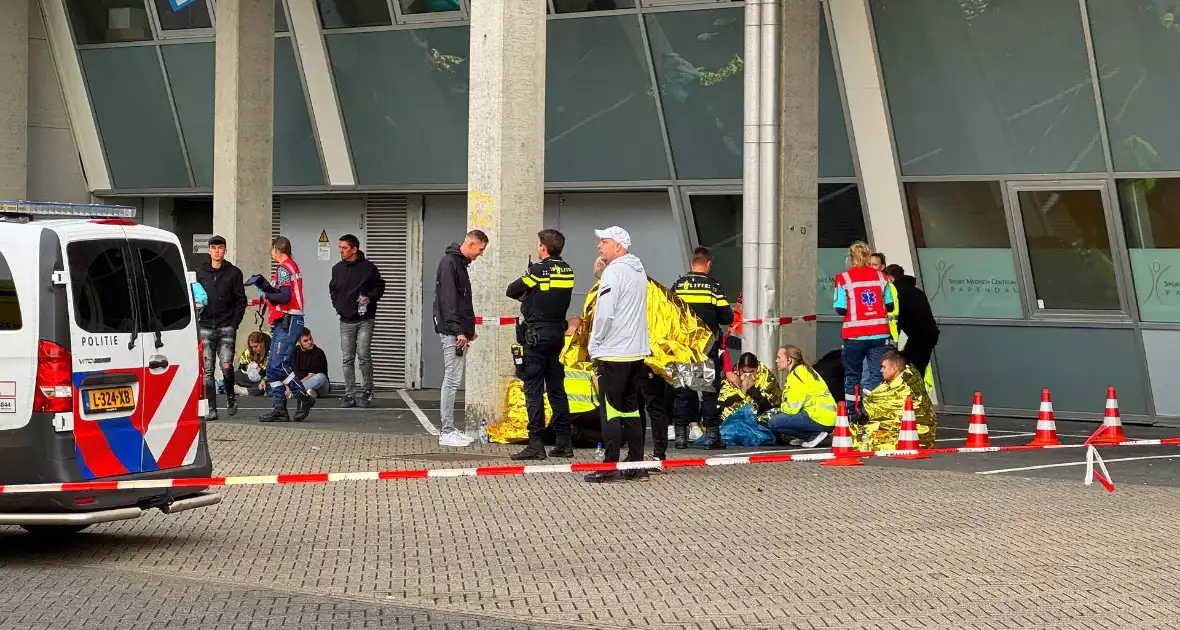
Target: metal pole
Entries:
(769, 208)
(752, 57)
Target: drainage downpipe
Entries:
(769, 206)
(751, 75)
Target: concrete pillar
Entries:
(14, 98)
(798, 170)
(505, 180)
(243, 134)
(881, 190)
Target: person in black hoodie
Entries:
(219, 321)
(355, 289)
(454, 321)
(914, 318)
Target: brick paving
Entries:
(768, 546)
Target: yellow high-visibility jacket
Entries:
(804, 390)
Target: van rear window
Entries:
(9, 304)
(100, 275)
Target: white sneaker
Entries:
(694, 433)
(796, 442)
(671, 433)
(454, 438)
(815, 440)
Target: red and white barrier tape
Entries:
(481, 320)
(501, 471)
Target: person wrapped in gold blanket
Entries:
(884, 406)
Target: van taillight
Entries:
(54, 391)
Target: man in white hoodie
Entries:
(618, 346)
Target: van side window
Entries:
(9, 304)
(169, 300)
(100, 278)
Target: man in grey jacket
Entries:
(618, 346)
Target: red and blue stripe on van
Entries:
(153, 436)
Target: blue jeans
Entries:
(318, 385)
(796, 425)
(854, 356)
(283, 338)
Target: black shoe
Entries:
(367, 398)
(604, 476)
(348, 402)
(534, 451)
(564, 448)
(231, 407)
(276, 414)
(638, 474)
(713, 439)
(303, 407)
(681, 441)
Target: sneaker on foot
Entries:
(455, 439)
(211, 416)
(231, 407)
(348, 402)
(795, 442)
(655, 471)
(366, 398)
(638, 474)
(604, 476)
(694, 433)
(820, 437)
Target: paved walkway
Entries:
(768, 546)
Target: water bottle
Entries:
(599, 454)
(483, 431)
(362, 305)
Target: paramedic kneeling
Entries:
(808, 411)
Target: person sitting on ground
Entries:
(310, 365)
(885, 404)
(808, 411)
(252, 365)
(750, 383)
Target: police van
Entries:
(100, 372)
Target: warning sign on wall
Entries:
(322, 252)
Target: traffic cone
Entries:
(842, 441)
(977, 430)
(1046, 425)
(907, 437)
(1112, 424)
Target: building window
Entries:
(353, 13)
(577, 6)
(718, 221)
(413, 7)
(1151, 220)
(106, 21)
(964, 249)
(841, 223)
(1069, 251)
(194, 15)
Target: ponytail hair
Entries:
(795, 354)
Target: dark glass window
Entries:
(195, 15)
(108, 21)
(100, 279)
(9, 303)
(167, 300)
(353, 13)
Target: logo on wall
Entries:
(948, 284)
(1157, 274)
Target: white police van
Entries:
(100, 373)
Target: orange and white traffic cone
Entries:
(977, 430)
(1112, 423)
(842, 448)
(1046, 425)
(907, 437)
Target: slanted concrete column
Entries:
(243, 134)
(14, 98)
(798, 171)
(505, 180)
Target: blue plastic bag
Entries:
(741, 429)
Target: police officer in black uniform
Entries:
(706, 298)
(545, 291)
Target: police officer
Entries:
(545, 291)
(706, 298)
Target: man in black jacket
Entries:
(914, 318)
(355, 288)
(219, 321)
(454, 321)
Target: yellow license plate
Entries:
(110, 399)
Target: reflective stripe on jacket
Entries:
(803, 390)
(294, 279)
(866, 313)
(579, 389)
(896, 309)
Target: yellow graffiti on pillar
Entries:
(481, 210)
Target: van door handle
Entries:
(158, 364)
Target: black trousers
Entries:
(543, 373)
(619, 384)
(654, 410)
(918, 350)
(687, 404)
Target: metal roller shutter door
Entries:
(388, 230)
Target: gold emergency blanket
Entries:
(731, 398)
(676, 334)
(514, 427)
(884, 406)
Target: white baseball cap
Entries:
(616, 233)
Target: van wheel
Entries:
(53, 531)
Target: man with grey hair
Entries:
(618, 346)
